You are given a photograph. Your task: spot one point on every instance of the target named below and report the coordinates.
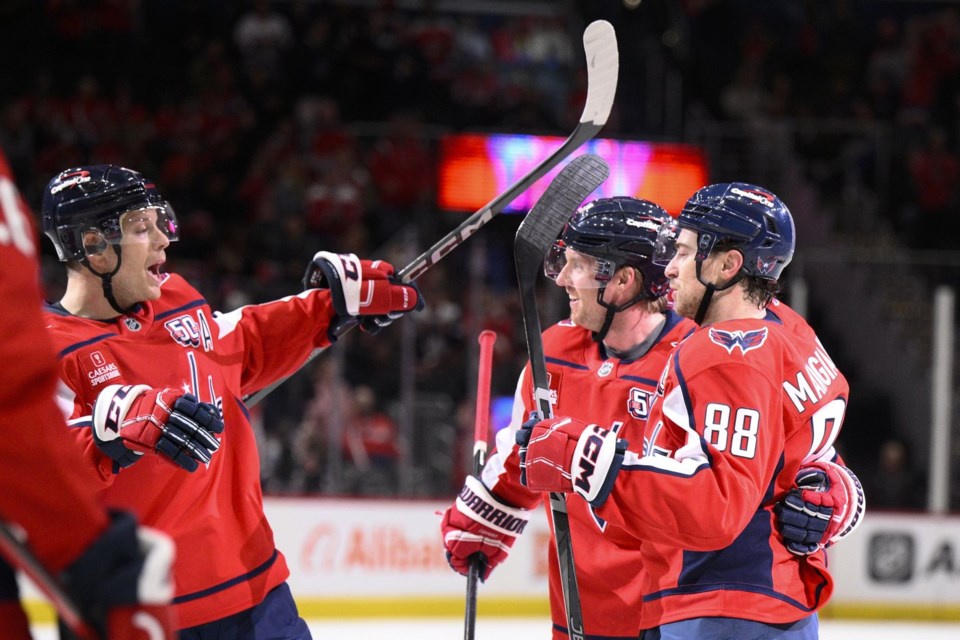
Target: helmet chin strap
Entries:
(106, 280)
(708, 294)
(612, 310)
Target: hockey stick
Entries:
(480, 434)
(603, 63)
(537, 232)
(21, 558)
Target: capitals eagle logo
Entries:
(745, 340)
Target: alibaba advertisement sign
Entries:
(475, 168)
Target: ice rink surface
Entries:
(539, 628)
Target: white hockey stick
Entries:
(538, 231)
(603, 65)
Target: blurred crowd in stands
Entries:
(279, 128)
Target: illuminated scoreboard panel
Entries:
(474, 168)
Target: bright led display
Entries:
(474, 168)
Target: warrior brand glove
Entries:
(826, 506)
(566, 455)
(361, 288)
(129, 421)
(122, 583)
(480, 526)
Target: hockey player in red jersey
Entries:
(102, 557)
(603, 364)
(744, 404)
(152, 380)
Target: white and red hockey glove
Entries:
(123, 583)
(367, 288)
(130, 420)
(565, 455)
(478, 525)
(826, 506)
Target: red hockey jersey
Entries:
(226, 559)
(741, 405)
(588, 384)
(41, 473)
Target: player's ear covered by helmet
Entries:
(610, 233)
(744, 217)
(82, 208)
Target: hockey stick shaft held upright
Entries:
(481, 433)
(536, 234)
(602, 56)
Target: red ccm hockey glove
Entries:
(130, 420)
(826, 506)
(479, 525)
(566, 455)
(367, 288)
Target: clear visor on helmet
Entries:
(134, 226)
(570, 268)
(666, 245)
(139, 225)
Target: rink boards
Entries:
(379, 558)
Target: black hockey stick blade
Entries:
(538, 231)
(603, 68)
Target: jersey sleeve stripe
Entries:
(179, 310)
(647, 381)
(566, 363)
(80, 345)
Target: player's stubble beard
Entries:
(688, 291)
(687, 302)
(587, 313)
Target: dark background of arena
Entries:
(277, 129)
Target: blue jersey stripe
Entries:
(566, 363)
(85, 343)
(180, 309)
(229, 583)
(733, 586)
(647, 381)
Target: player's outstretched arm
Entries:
(480, 525)
(130, 420)
(826, 506)
(367, 288)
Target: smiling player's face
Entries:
(578, 279)
(143, 246)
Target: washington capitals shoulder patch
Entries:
(745, 340)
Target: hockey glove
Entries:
(566, 455)
(826, 506)
(479, 525)
(123, 584)
(365, 288)
(129, 421)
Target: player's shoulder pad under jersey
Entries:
(565, 338)
(746, 341)
(177, 290)
(677, 329)
(793, 323)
